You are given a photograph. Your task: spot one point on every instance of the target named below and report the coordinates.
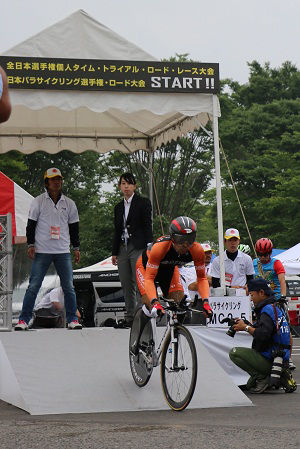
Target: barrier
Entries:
(56, 371)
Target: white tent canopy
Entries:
(52, 121)
(291, 260)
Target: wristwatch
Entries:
(247, 329)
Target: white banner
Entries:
(229, 307)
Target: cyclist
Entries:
(272, 271)
(159, 265)
(245, 249)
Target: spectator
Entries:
(189, 276)
(132, 232)
(271, 337)
(5, 105)
(49, 312)
(269, 268)
(53, 221)
(245, 249)
(273, 272)
(238, 266)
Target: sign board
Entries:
(229, 307)
(110, 75)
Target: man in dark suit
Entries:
(133, 230)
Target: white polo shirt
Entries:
(56, 295)
(49, 217)
(188, 275)
(235, 271)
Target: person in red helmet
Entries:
(269, 268)
(273, 272)
(159, 265)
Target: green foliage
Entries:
(260, 132)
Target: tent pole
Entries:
(218, 193)
(151, 179)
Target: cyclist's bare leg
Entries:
(143, 320)
(177, 296)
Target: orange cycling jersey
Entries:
(163, 255)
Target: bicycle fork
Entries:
(175, 348)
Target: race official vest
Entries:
(269, 275)
(282, 337)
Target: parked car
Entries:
(293, 296)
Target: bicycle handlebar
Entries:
(180, 306)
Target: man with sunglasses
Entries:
(159, 266)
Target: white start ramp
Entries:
(57, 371)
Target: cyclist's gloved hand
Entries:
(157, 310)
(207, 309)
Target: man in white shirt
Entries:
(188, 273)
(52, 223)
(49, 311)
(238, 266)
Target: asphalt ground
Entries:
(273, 422)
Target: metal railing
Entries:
(6, 272)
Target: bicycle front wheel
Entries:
(178, 368)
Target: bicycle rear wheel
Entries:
(179, 373)
(141, 363)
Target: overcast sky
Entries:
(230, 32)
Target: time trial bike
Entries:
(175, 353)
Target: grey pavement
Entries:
(273, 422)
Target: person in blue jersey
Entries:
(273, 272)
(269, 268)
(271, 335)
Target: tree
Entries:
(182, 172)
(260, 133)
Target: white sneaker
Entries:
(21, 326)
(74, 325)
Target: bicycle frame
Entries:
(171, 324)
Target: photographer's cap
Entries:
(52, 172)
(206, 247)
(231, 232)
(255, 285)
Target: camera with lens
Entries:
(276, 369)
(231, 322)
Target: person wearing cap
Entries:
(273, 271)
(189, 276)
(238, 265)
(5, 105)
(52, 223)
(132, 233)
(271, 333)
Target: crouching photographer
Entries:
(267, 361)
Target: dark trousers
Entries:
(127, 258)
(251, 361)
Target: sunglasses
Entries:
(263, 254)
(183, 239)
